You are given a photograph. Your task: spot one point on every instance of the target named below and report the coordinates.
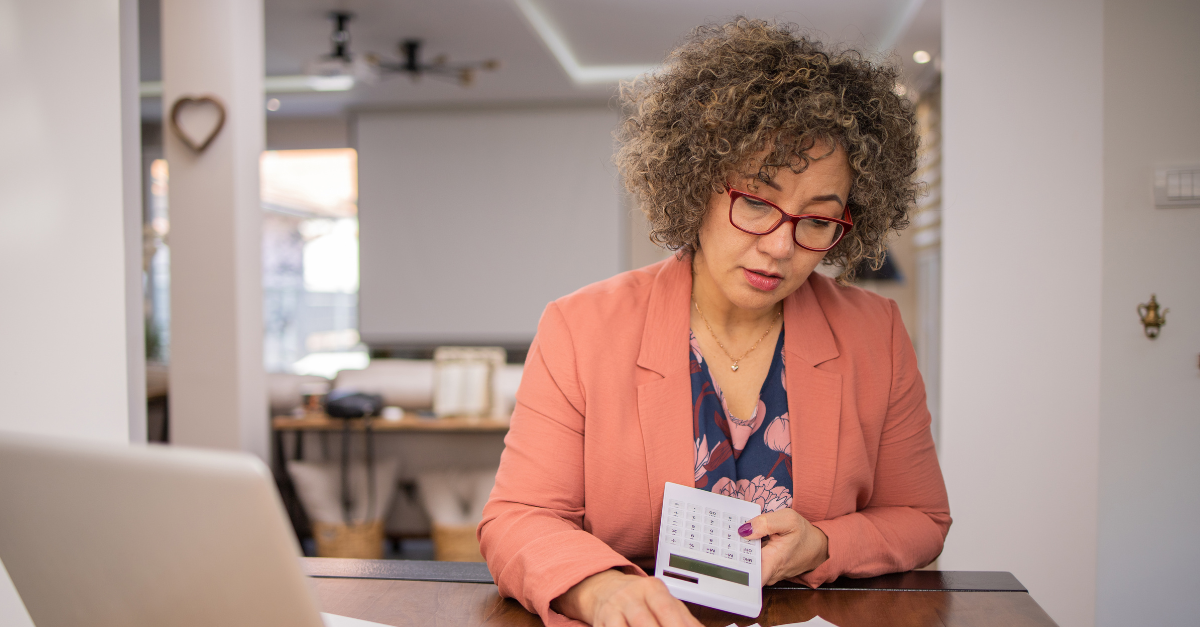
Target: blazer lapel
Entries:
(814, 403)
(665, 399)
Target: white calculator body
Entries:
(701, 557)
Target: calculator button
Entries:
(710, 550)
(728, 518)
(692, 535)
(729, 555)
(710, 521)
(694, 516)
(675, 504)
(729, 536)
(692, 545)
(693, 526)
(675, 522)
(710, 541)
(746, 559)
(710, 531)
(673, 541)
(693, 509)
(747, 550)
(674, 532)
(676, 513)
(711, 512)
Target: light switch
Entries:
(1177, 186)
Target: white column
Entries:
(131, 164)
(218, 394)
(1023, 140)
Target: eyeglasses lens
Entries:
(755, 216)
(813, 233)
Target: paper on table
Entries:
(815, 621)
(333, 620)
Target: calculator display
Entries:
(712, 570)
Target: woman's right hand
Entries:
(614, 599)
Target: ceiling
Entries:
(608, 32)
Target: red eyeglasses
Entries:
(758, 216)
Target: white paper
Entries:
(815, 621)
(333, 620)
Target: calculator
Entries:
(701, 557)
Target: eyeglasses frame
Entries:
(847, 223)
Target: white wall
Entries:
(67, 331)
(287, 133)
(472, 220)
(1022, 292)
(1149, 553)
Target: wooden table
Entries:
(420, 594)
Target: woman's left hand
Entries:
(791, 545)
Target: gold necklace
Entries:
(734, 367)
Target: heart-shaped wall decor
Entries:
(202, 101)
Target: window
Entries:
(309, 262)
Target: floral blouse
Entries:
(748, 459)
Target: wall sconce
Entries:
(1152, 318)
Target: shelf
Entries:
(321, 422)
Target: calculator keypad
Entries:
(709, 533)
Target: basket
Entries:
(358, 541)
(455, 543)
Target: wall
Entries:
(1022, 122)
(472, 220)
(65, 326)
(1150, 390)
(288, 133)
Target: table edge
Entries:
(477, 573)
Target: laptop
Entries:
(148, 536)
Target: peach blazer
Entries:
(604, 418)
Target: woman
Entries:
(732, 367)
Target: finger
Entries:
(669, 611)
(770, 563)
(637, 614)
(611, 619)
(775, 561)
(607, 615)
(782, 521)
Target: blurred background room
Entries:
(245, 224)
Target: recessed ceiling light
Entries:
(921, 56)
(273, 104)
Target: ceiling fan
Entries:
(369, 68)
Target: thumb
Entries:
(772, 523)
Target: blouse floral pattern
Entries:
(751, 458)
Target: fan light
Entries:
(340, 63)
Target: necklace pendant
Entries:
(733, 367)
